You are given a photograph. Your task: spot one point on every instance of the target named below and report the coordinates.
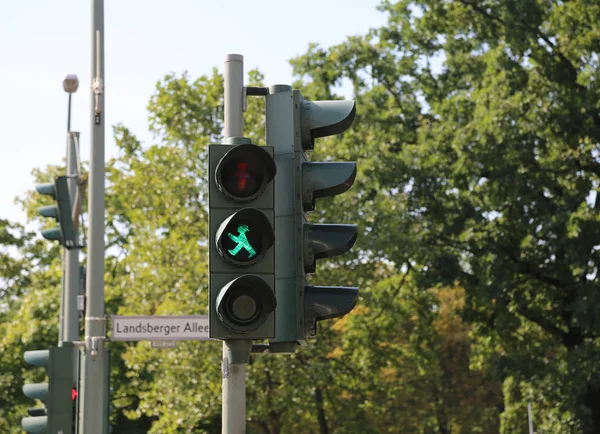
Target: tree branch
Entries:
(323, 429)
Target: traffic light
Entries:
(56, 394)
(74, 395)
(241, 226)
(61, 212)
(293, 124)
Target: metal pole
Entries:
(234, 83)
(61, 308)
(65, 328)
(69, 120)
(93, 418)
(71, 315)
(530, 418)
(234, 374)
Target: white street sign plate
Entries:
(159, 328)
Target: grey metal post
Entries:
(233, 125)
(234, 374)
(72, 280)
(530, 418)
(93, 418)
(61, 307)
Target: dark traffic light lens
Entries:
(242, 306)
(244, 172)
(241, 179)
(244, 303)
(242, 241)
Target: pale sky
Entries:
(41, 41)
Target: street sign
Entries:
(159, 328)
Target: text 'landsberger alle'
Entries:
(137, 328)
(163, 329)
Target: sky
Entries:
(42, 41)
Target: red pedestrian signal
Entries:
(244, 172)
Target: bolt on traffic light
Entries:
(241, 238)
(65, 233)
(293, 124)
(56, 394)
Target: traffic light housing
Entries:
(56, 394)
(65, 233)
(293, 124)
(241, 238)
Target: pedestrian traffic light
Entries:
(241, 226)
(56, 394)
(293, 124)
(61, 212)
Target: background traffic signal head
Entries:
(65, 233)
(56, 394)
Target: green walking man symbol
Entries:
(242, 242)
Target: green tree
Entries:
(29, 279)
(477, 140)
(478, 136)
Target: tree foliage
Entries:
(480, 122)
(476, 139)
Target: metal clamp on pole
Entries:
(91, 342)
(252, 91)
(256, 91)
(97, 83)
(78, 344)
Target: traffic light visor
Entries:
(37, 357)
(36, 391)
(325, 118)
(35, 425)
(46, 189)
(244, 172)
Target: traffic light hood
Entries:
(325, 118)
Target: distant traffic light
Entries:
(56, 394)
(65, 233)
(241, 257)
(293, 124)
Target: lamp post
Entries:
(70, 85)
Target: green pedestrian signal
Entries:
(241, 242)
(237, 244)
(241, 239)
